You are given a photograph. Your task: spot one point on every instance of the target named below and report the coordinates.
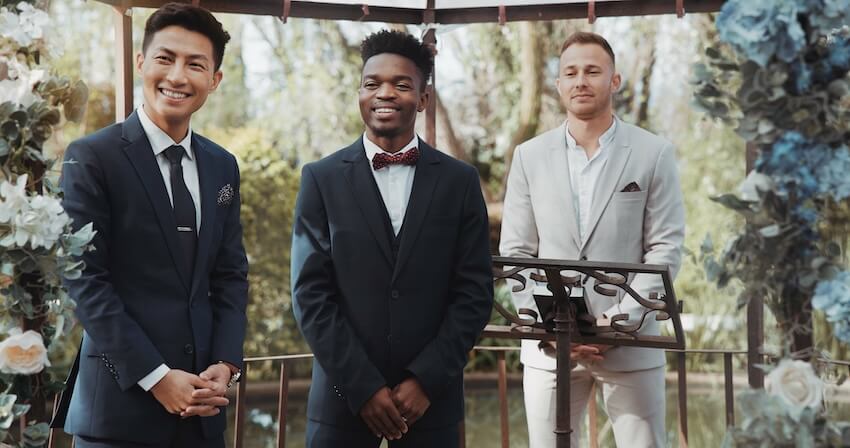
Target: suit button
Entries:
(583, 257)
(390, 338)
(394, 294)
(188, 349)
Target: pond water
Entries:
(706, 420)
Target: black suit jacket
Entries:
(137, 306)
(375, 313)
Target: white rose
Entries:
(23, 353)
(13, 197)
(796, 384)
(754, 183)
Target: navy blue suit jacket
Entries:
(375, 309)
(137, 306)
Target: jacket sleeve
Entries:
(229, 286)
(315, 297)
(99, 308)
(519, 230)
(441, 362)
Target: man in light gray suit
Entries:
(598, 189)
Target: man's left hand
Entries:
(411, 400)
(219, 375)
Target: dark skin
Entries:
(392, 92)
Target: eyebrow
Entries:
(191, 56)
(376, 76)
(575, 67)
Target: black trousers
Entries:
(321, 435)
(188, 435)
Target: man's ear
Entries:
(616, 82)
(216, 80)
(140, 59)
(424, 98)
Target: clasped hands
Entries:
(187, 394)
(390, 413)
(582, 352)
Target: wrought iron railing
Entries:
(239, 418)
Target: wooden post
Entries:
(755, 310)
(431, 110)
(123, 63)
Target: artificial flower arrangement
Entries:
(38, 246)
(780, 75)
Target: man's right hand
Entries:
(382, 417)
(586, 352)
(174, 393)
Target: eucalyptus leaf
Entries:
(731, 201)
(36, 435)
(4, 148)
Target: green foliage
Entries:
(485, 361)
(269, 185)
(769, 423)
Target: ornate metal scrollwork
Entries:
(563, 280)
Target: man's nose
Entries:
(176, 73)
(386, 90)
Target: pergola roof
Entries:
(442, 11)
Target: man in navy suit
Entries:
(162, 298)
(391, 269)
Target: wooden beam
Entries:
(123, 63)
(331, 11)
(430, 38)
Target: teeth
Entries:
(172, 94)
(384, 110)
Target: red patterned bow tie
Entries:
(382, 159)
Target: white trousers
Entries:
(634, 402)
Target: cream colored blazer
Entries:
(646, 226)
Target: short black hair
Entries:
(193, 18)
(402, 44)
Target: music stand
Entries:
(565, 316)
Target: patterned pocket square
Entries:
(632, 187)
(225, 195)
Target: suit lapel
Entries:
(560, 172)
(358, 173)
(206, 179)
(424, 180)
(141, 156)
(608, 179)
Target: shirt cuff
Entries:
(150, 380)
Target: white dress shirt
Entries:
(584, 174)
(395, 182)
(160, 141)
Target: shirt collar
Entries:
(604, 140)
(159, 140)
(372, 148)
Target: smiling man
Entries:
(391, 280)
(595, 188)
(162, 298)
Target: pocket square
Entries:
(631, 187)
(225, 195)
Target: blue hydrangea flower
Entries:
(826, 15)
(833, 298)
(839, 53)
(807, 167)
(761, 29)
(801, 73)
